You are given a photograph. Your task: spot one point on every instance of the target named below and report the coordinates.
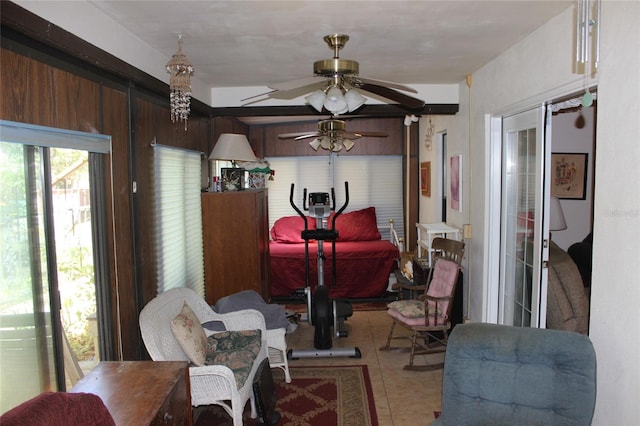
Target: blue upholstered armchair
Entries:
(501, 375)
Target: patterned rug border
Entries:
(333, 371)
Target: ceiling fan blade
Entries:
(256, 96)
(350, 135)
(294, 84)
(356, 134)
(372, 134)
(309, 135)
(358, 81)
(297, 135)
(401, 98)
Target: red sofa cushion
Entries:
(59, 409)
(358, 225)
(288, 229)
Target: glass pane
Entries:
(70, 189)
(26, 343)
(519, 156)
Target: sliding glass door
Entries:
(26, 323)
(49, 312)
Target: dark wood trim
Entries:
(378, 110)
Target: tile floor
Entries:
(403, 398)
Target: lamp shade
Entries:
(335, 101)
(354, 100)
(556, 216)
(325, 143)
(348, 144)
(316, 100)
(315, 144)
(232, 147)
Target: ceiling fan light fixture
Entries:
(336, 146)
(335, 101)
(354, 100)
(316, 100)
(325, 143)
(348, 144)
(315, 144)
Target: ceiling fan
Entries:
(337, 78)
(332, 135)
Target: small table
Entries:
(142, 392)
(428, 231)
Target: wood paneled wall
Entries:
(38, 91)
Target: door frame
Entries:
(97, 146)
(493, 182)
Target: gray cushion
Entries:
(274, 315)
(501, 375)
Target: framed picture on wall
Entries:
(232, 179)
(455, 182)
(425, 178)
(569, 175)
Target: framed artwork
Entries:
(425, 178)
(569, 175)
(232, 179)
(455, 182)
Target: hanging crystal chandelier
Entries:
(181, 71)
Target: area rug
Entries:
(316, 396)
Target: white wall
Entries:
(430, 207)
(540, 68)
(574, 132)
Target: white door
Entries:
(523, 251)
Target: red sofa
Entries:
(59, 409)
(363, 259)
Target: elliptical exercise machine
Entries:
(322, 312)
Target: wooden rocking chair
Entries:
(428, 316)
(443, 248)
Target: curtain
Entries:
(373, 181)
(178, 227)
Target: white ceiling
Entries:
(257, 43)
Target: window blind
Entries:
(373, 181)
(178, 229)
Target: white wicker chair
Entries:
(212, 384)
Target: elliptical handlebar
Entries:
(344, 206)
(300, 213)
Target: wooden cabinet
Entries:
(142, 392)
(235, 230)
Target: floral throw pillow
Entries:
(236, 350)
(408, 308)
(190, 335)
